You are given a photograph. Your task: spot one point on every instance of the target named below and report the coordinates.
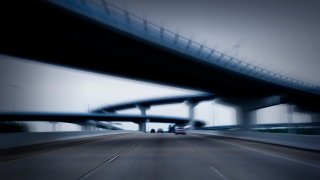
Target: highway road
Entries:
(158, 156)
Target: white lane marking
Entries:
(92, 171)
(211, 167)
(263, 152)
(275, 155)
(219, 173)
(49, 152)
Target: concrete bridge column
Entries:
(143, 124)
(86, 127)
(314, 117)
(191, 106)
(247, 108)
(54, 126)
(89, 125)
(246, 117)
(290, 111)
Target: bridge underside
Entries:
(40, 31)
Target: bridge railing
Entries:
(121, 18)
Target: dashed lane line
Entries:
(262, 152)
(94, 170)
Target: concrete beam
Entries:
(253, 103)
(109, 111)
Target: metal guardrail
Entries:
(122, 19)
(257, 126)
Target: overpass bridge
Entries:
(101, 33)
(156, 101)
(108, 113)
(144, 105)
(88, 36)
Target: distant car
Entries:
(180, 130)
(153, 131)
(160, 130)
(171, 129)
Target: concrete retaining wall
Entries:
(10, 140)
(308, 142)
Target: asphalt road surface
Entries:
(158, 156)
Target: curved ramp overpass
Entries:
(156, 101)
(144, 105)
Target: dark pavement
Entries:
(158, 156)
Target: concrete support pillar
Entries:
(191, 106)
(246, 118)
(85, 128)
(89, 125)
(290, 111)
(143, 112)
(54, 127)
(142, 126)
(315, 117)
(247, 108)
